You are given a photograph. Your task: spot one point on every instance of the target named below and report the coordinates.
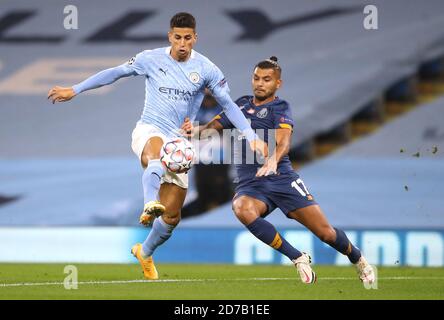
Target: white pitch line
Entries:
(99, 282)
(24, 284)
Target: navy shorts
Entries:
(285, 191)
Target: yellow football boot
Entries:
(148, 267)
(151, 210)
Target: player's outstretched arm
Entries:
(220, 91)
(105, 77)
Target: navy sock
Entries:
(344, 246)
(266, 232)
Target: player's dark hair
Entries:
(183, 20)
(271, 63)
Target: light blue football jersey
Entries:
(175, 90)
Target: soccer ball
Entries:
(177, 155)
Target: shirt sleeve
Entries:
(133, 67)
(103, 78)
(283, 118)
(218, 86)
(138, 63)
(216, 82)
(224, 121)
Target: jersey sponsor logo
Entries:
(194, 77)
(131, 61)
(262, 114)
(177, 94)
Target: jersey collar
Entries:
(277, 100)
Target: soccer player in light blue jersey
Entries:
(176, 78)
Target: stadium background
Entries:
(368, 139)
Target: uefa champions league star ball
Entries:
(177, 155)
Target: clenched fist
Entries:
(61, 94)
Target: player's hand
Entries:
(187, 129)
(61, 94)
(269, 167)
(260, 147)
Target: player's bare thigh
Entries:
(172, 197)
(315, 220)
(151, 150)
(248, 209)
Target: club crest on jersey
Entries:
(194, 77)
(262, 114)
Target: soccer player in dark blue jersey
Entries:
(262, 187)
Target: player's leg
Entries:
(146, 143)
(315, 220)
(294, 199)
(247, 209)
(151, 179)
(173, 197)
(250, 212)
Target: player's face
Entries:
(265, 83)
(182, 41)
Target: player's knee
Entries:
(151, 151)
(244, 211)
(148, 155)
(171, 218)
(327, 235)
(241, 207)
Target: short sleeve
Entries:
(283, 118)
(223, 120)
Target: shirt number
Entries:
(300, 187)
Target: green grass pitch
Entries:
(182, 282)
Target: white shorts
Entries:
(141, 134)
